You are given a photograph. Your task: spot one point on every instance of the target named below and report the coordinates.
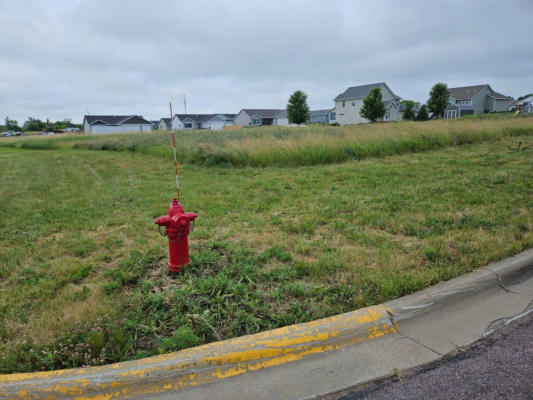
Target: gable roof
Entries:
(318, 113)
(204, 117)
(497, 95)
(466, 92)
(360, 92)
(264, 113)
(112, 119)
(165, 120)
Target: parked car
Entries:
(12, 133)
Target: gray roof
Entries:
(358, 92)
(165, 120)
(466, 92)
(497, 95)
(111, 119)
(196, 117)
(318, 113)
(264, 113)
(204, 117)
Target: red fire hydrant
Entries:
(178, 226)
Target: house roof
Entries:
(111, 119)
(229, 116)
(360, 92)
(497, 95)
(318, 113)
(264, 113)
(466, 92)
(165, 120)
(195, 117)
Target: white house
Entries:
(258, 117)
(115, 124)
(523, 104)
(164, 124)
(201, 121)
(348, 104)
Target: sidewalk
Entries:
(307, 360)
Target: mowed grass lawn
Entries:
(83, 269)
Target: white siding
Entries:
(243, 119)
(176, 124)
(216, 124)
(121, 128)
(350, 113)
(281, 121)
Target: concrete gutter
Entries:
(494, 274)
(416, 316)
(203, 364)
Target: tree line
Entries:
(35, 124)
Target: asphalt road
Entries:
(497, 367)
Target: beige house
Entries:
(348, 104)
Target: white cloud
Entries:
(61, 58)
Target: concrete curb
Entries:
(219, 360)
(494, 274)
(202, 364)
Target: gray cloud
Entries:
(63, 58)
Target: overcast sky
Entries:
(63, 59)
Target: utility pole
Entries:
(185, 103)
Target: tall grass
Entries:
(310, 145)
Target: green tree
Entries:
(373, 107)
(11, 125)
(414, 104)
(438, 99)
(33, 124)
(408, 114)
(422, 113)
(297, 109)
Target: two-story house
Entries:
(479, 99)
(348, 104)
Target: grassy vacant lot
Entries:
(82, 268)
(311, 145)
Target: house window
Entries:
(343, 103)
(353, 103)
(332, 116)
(187, 125)
(387, 115)
(256, 121)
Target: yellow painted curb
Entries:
(202, 364)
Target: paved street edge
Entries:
(220, 360)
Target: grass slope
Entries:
(82, 267)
